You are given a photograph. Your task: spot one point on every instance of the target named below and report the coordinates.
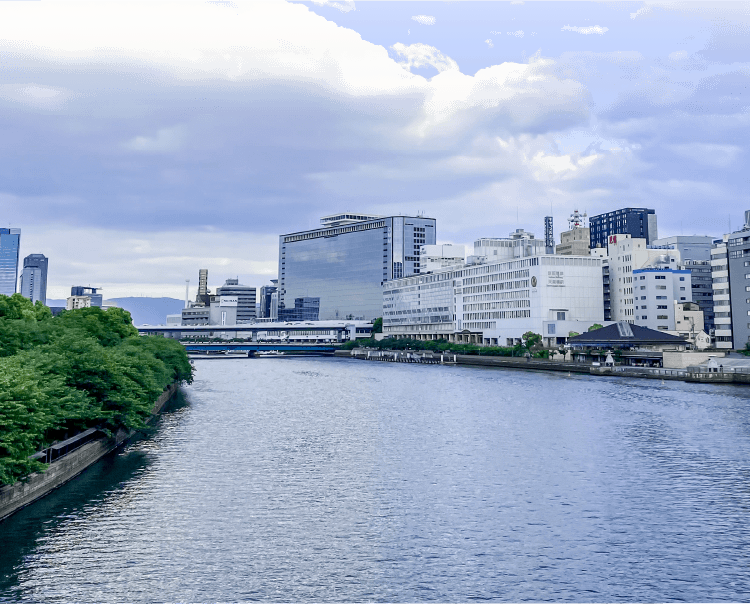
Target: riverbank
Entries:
(24, 492)
(685, 375)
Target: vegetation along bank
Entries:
(60, 376)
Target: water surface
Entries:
(334, 479)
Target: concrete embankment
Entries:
(685, 375)
(16, 496)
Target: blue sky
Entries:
(143, 141)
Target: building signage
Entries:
(555, 279)
(613, 239)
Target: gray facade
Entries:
(639, 223)
(264, 299)
(10, 244)
(738, 254)
(245, 298)
(34, 278)
(695, 253)
(345, 262)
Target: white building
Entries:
(76, 302)
(657, 291)
(497, 302)
(627, 254)
(520, 244)
(722, 301)
(436, 257)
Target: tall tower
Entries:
(549, 235)
(34, 278)
(10, 243)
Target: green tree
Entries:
(595, 326)
(377, 325)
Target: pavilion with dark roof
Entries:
(638, 345)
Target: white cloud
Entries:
(344, 7)
(644, 10)
(132, 263)
(35, 96)
(166, 140)
(489, 43)
(424, 19)
(423, 55)
(712, 155)
(518, 33)
(592, 29)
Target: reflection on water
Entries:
(320, 479)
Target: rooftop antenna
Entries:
(187, 292)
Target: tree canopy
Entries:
(84, 368)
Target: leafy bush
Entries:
(85, 368)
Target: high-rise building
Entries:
(345, 261)
(695, 253)
(639, 223)
(10, 244)
(738, 266)
(34, 278)
(264, 302)
(305, 309)
(245, 296)
(722, 300)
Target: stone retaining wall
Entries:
(15, 496)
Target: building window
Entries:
(682, 278)
(551, 328)
(560, 316)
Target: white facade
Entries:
(656, 293)
(627, 254)
(436, 257)
(722, 303)
(75, 302)
(520, 244)
(496, 303)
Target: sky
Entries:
(142, 141)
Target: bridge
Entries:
(252, 347)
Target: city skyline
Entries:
(132, 168)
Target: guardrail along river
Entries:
(332, 479)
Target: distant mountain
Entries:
(145, 311)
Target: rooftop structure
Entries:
(639, 223)
(34, 278)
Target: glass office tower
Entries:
(10, 244)
(639, 223)
(34, 278)
(345, 262)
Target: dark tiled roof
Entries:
(625, 334)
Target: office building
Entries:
(576, 241)
(625, 255)
(264, 302)
(245, 296)
(722, 301)
(10, 244)
(496, 302)
(34, 278)
(738, 275)
(304, 309)
(76, 302)
(695, 253)
(79, 291)
(639, 223)
(657, 290)
(345, 261)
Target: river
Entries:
(313, 479)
